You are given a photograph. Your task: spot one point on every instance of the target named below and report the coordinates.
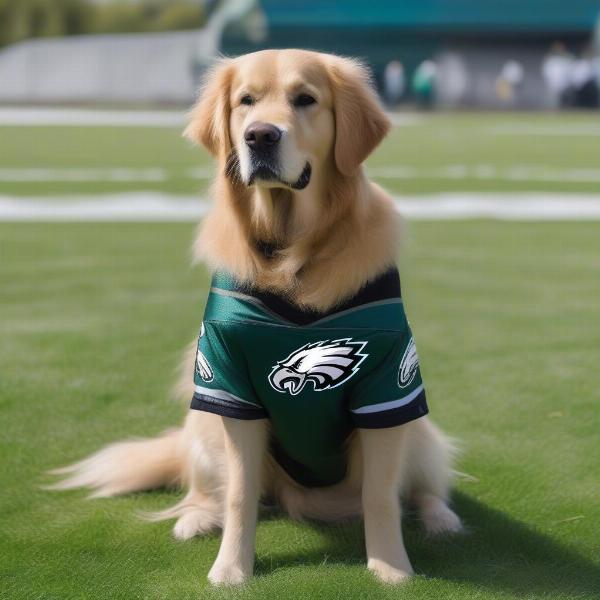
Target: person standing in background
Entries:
(423, 83)
(394, 83)
(583, 80)
(509, 82)
(556, 71)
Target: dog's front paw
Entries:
(444, 521)
(227, 574)
(388, 574)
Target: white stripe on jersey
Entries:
(222, 395)
(383, 406)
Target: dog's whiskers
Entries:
(232, 167)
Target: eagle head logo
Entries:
(203, 368)
(408, 365)
(325, 364)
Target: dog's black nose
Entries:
(262, 136)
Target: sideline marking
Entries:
(546, 129)
(515, 173)
(13, 115)
(17, 175)
(488, 172)
(156, 206)
(51, 115)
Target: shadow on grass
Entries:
(497, 552)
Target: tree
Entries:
(23, 19)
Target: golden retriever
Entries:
(301, 221)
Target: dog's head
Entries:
(284, 118)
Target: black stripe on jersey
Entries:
(383, 287)
(393, 417)
(227, 408)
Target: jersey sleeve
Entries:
(221, 384)
(392, 393)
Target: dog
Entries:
(304, 319)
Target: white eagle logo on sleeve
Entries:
(203, 367)
(325, 364)
(408, 365)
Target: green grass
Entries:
(433, 144)
(93, 318)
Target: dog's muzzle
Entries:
(263, 141)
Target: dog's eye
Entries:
(248, 100)
(304, 100)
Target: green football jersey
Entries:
(316, 376)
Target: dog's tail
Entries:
(127, 466)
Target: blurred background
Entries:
(531, 54)
(494, 159)
(492, 96)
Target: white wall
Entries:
(147, 67)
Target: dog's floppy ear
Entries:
(360, 123)
(209, 119)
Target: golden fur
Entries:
(341, 219)
(330, 238)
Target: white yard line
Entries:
(534, 173)
(17, 175)
(85, 174)
(546, 129)
(13, 115)
(16, 115)
(129, 206)
(503, 206)
(522, 173)
(201, 172)
(153, 206)
(402, 119)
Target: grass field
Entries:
(93, 317)
(464, 152)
